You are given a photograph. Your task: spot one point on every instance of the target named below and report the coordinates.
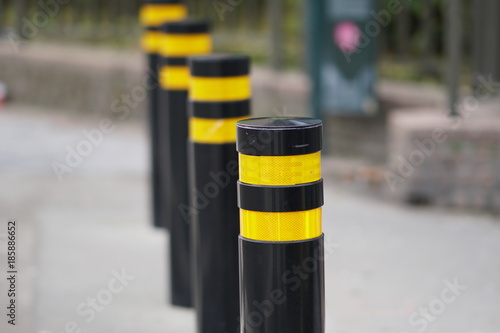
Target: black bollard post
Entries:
(179, 40)
(154, 13)
(280, 194)
(219, 97)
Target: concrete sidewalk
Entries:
(389, 263)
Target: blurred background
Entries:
(408, 91)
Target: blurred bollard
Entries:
(220, 95)
(178, 41)
(280, 194)
(154, 13)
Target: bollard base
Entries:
(176, 122)
(214, 169)
(158, 212)
(282, 286)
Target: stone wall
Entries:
(94, 79)
(446, 162)
(68, 79)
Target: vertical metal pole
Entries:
(231, 22)
(76, 9)
(2, 14)
(192, 5)
(94, 16)
(428, 29)
(486, 48)
(206, 7)
(314, 19)
(480, 46)
(276, 27)
(115, 17)
(128, 9)
(252, 10)
(403, 31)
(495, 6)
(489, 50)
(454, 48)
(20, 14)
(478, 41)
(300, 38)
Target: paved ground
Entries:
(75, 235)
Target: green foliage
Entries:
(245, 29)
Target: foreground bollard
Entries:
(153, 14)
(219, 97)
(280, 194)
(179, 40)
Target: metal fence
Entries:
(272, 31)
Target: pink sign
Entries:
(347, 36)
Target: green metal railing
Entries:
(272, 31)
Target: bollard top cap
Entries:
(220, 65)
(280, 123)
(279, 136)
(188, 26)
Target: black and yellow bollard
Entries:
(280, 195)
(219, 97)
(178, 41)
(154, 13)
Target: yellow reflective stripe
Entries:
(152, 15)
(280, 170)
(281, 227)
(203, 130)
(185, 45)
(151, 41)
(220, 89)
(174, 77)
